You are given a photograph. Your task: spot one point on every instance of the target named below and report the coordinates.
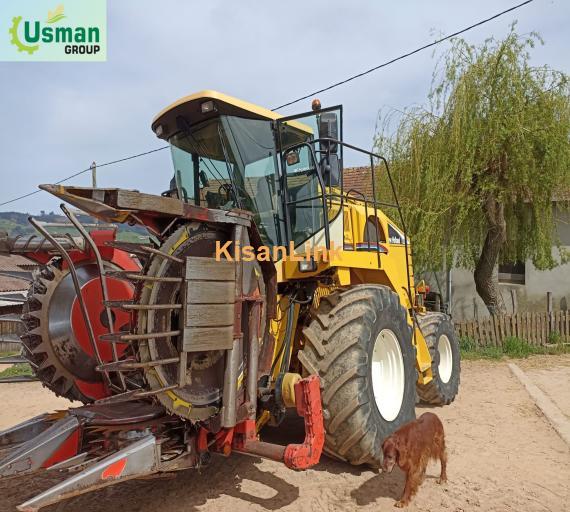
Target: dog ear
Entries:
(395, 443)
(389, 441)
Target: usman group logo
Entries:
(74, 31)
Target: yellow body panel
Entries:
(353, 267)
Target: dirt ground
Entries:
(554, 381)
(503, 455)
(24, 400)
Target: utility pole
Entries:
(94, 179)
(94, 174)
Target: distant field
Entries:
(16, 223)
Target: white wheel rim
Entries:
(388, 377)
(445, 366)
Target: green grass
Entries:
(16, 370)
(513, 347)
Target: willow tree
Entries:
(478, 168)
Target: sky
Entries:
(56, 118)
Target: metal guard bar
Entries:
(77, 287)
(375, 203)
(102, 278)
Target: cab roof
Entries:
(190, 108)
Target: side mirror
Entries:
(328, 129)
(204, 179)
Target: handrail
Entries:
(343, 144)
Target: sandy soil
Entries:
(553, 380)
(503, 456)
(21, 401)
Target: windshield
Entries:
(230, 162)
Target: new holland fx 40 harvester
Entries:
(193, 343)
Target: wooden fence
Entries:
(536, 328)
(9, 328)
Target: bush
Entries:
(519, 348)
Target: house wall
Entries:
(466, 304)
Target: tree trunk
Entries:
(496, 236)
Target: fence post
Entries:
(549, 309)
(514, 301)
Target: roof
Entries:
(14, 263)
(190, 107)
(358, 179)
(561, 196)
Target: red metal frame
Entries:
(308, 401)
(243, 437)
(68, 449)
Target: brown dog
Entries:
(411, 447)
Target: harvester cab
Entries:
(269, 285)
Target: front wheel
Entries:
(360, 345)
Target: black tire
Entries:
(437, 392)
(338, 346)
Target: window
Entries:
(512, 273)
(370, 233)
(202, 172)
(394, 236)
(305, 197)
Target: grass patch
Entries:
(470, 350)
(17, 370)
(513, 347)
(9, 353)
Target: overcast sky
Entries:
(58, 117)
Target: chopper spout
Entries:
(93, 201)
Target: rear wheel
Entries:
(443, 345)
(360, 345)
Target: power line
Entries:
(84, 171)
(405, 55)
(328, 88)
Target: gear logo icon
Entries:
(15, 40)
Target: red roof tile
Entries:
(358, 179)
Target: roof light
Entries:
(207, 107)
(159, 130)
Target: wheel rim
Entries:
(388, 377)
(445, 366)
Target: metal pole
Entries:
(449, 308)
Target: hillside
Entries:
(16, 223)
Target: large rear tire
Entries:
(443, 345)
(360, 345)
